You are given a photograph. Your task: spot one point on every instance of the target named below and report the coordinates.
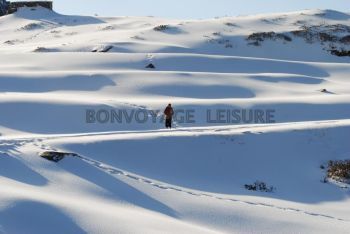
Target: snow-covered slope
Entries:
(306, 35)
(138, 178)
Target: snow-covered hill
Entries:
(306, 36)
(136, 177)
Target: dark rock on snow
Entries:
(56, 156)
(341, 53)
(150, 66)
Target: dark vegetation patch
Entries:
(339, 171)
(165, 28)
(259, 186)
(31, 26)
(335, 38)
(42, 49)
(345, 39)
(341, 53)
(231, 24)
(161, 28)
(257, 38)
(12, 42)
(218, 38)
(322, 33)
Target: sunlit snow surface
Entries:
(139, 178)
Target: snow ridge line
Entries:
(118, 172)
(204, 130)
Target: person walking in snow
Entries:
(168, 112)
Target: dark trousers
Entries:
(168, 123)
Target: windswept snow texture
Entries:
(137, 177)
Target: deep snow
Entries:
(139, 178)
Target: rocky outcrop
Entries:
(341, 53)
(11, 7)
(14, 6)
(257, 38)
(150, 66)
(56, 156)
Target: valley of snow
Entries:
(139, 177)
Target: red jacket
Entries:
(169, 112)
